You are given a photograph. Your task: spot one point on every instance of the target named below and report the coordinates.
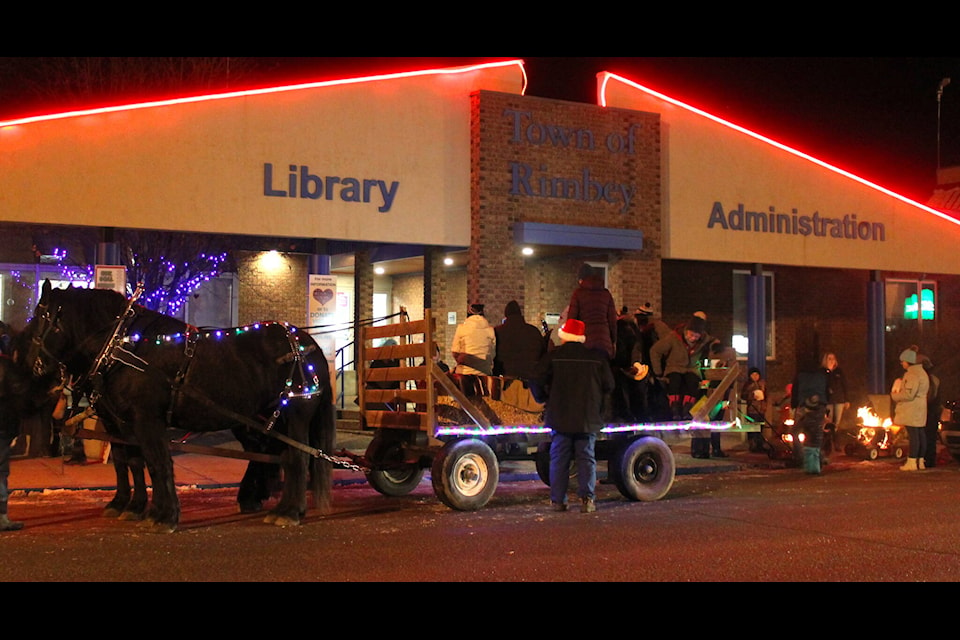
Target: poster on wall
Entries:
(110, 277)
(321, 314)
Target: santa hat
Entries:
(572, 331)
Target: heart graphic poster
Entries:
(321, 305)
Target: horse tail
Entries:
(323, 426)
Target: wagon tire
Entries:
(395, 482)
(645, 469)
(390, 476)
(465, 474)
(873, 453)
(543, 464)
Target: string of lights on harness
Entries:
(309, 381)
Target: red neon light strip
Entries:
(603, 102)
(268, 90)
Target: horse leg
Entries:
(121, 497)
(256, 485)
(136, 509)
(259, 479)
(163, 515)
(293, 500)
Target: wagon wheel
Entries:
(873, 453)
(543, 463)
(644, 470)
(900, 452)
(396, 478)
(465, 474)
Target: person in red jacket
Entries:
(592, 303)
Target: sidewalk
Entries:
(210, 471)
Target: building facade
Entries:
(788, 256)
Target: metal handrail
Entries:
(341, 398)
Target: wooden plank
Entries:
(396, 420)
(394, 374)
(398, 396)
(395, 330)
(431, 367)
(716, 395)
(395, 351)
(451, 388)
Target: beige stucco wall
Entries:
(709, 166)
(202, 166)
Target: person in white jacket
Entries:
(474, 345)
(910, 394)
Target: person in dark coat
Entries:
(572, 381)
(628, 404)
(592, 304)
(809, 395)
(677, 357)
(754, 395)
(519, 346)
(934, 409)
(837, 400)
(10, 412)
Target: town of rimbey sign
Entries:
(538, 181)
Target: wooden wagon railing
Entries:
(412, 406)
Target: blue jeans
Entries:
(563, 448)
(918, 442)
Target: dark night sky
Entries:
(876, 117)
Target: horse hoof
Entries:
(157, 527)
(163, 528)
(270, 518)
(131, 516)
(285, 521)
(111, 512)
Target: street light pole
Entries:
(943, 83)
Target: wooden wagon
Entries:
(427, 422)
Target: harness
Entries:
(300, 383)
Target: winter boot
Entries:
(921, 463)
(910, 465)
(5, 523)
(811, 460)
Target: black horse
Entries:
(146, 372)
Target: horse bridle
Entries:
(48, 322)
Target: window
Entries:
(21, 285)
(910, 305)
(739, 338)
(214, 303)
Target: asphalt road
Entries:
(858, 521)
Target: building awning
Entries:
(577, 236)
